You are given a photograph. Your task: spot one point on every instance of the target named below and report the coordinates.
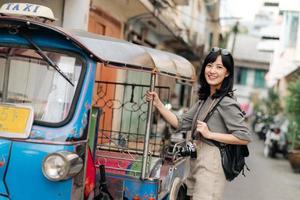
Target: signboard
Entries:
(15, 120)
(27, 9)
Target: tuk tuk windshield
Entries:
(28, 79)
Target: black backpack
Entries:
(233, 159)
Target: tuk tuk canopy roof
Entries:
(119, 52)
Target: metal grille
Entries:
(123, 123)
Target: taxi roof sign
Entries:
(27, 9)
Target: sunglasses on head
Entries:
(224, 52)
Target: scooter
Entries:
(275, 142)
(261, 126)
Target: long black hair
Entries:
(227, 84)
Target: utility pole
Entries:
(235, 30)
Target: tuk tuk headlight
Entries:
(61, 165)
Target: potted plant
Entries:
(294, 141)
(293, 112)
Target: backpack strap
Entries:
(213, 107)
(209, 114)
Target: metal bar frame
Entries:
(144, 174)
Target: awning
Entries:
(115, 51)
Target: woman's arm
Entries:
(227, 138)
(167, 114)
(231, 114)
(179, 123)
(220, 137)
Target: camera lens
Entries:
(189, 150)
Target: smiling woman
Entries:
(225, 126)
(215, 74)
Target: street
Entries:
(269, 179)
(90, 88)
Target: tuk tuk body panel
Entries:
(24, 178)
(177, 170)
(21, 174)
(4, 152)
(125, 187)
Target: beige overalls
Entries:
(207, 179)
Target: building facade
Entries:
(286, 60)
(185, 27)
(251, 67)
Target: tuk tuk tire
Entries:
(178, 190)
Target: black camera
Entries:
(189, 150)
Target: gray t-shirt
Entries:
(226, 118)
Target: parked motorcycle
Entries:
(276, 142)
(261, 125)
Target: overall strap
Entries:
(200, 104)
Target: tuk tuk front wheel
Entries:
(178, 190)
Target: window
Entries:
(241, 78)
(292, 22)
(259, 78)
(27, 78)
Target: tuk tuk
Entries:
(73, 101)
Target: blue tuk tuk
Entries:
(73, 101)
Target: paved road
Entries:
(269, 179)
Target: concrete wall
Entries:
(76, 14)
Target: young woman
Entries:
(226, 124)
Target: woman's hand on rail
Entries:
(153, 96)
(167, 114)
